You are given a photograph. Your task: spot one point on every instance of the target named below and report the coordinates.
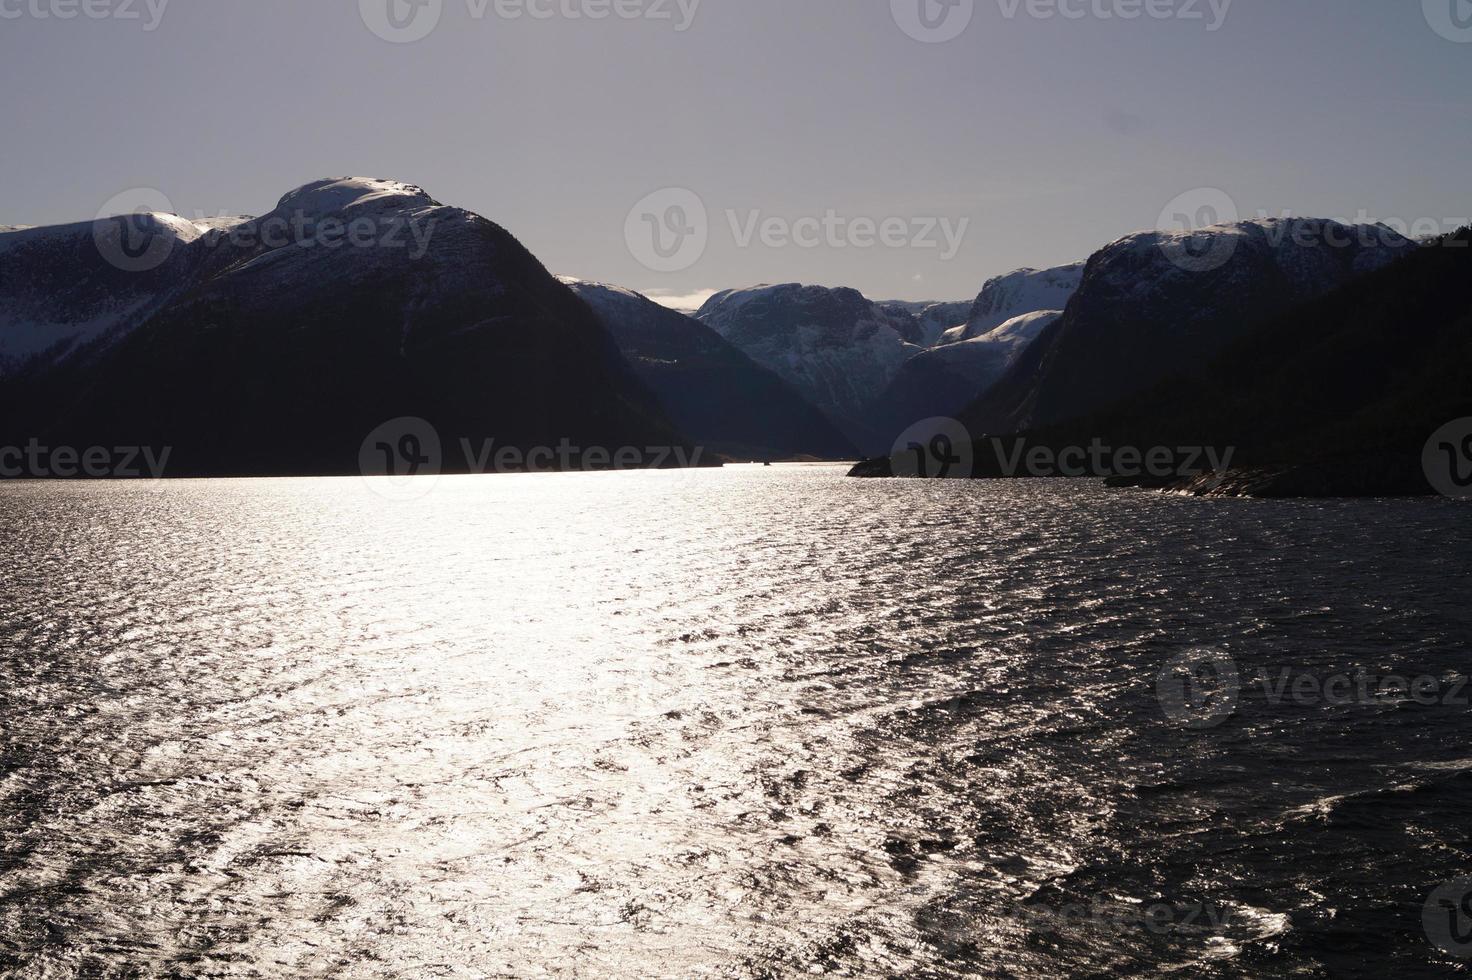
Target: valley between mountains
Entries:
(1324, 354)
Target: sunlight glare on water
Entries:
(747, 722)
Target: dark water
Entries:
(760, 722)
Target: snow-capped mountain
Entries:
(931, 320)
(945, 379)
(835, 347)
(1157, 303)
(1017, 293)
(719, 397)
(276, 344)
(66, 286)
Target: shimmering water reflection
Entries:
(757, 722)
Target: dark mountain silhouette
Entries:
(719, 397)
(1336, 396)
(276, 345)
(1155, 303)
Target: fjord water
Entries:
(752, 722)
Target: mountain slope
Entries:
(264, 355)
(836, 348)
(931, 320)
(1148, 307)
(69, 285)
(1338, 395)
(1015, 294)
(945, 379)
(719, 397)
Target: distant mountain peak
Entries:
(1019, 292)
(335, 195)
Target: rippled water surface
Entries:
(746, 723)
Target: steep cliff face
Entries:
(1155, 303)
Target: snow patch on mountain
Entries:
(932, 319)
(836, 347)
(60, 292)
(1006, 297)
(352, 196)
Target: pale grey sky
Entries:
(1040, 135)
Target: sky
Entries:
(908, 148)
